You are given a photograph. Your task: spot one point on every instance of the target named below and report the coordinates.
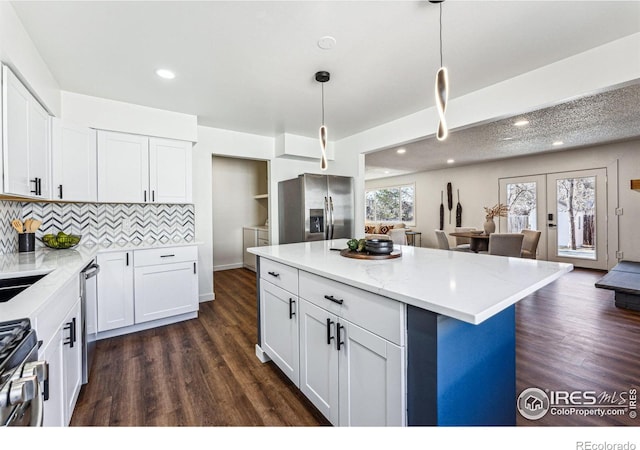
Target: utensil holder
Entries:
(26, 242)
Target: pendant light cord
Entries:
(441, 65)
(322, 84)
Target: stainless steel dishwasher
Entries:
(88, 298)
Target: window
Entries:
(391, 204)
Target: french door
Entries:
(570, 210)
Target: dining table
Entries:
(478, 241)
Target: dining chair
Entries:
(530, 243)
(463, 243)
(443, 241)
(505, 244)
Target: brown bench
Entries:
(624, 279)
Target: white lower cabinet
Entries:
(349, 345)
(279, 325)
(58, 325)
(351, 375)
(140, 286)
(115, 290)
(54, 404)
(165, 290)
(72, 360)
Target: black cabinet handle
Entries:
(71, 326)
(194, 267)
(153, 196)
(339, 301)
(127, 258)
(45, 393)
(339, 341)
(60, 191)
(274, 274)
(145, 195)
(167, 256)
(291, 312)
(329, 337)
(39, 186)
(35, 186)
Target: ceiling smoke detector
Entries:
(327, 42)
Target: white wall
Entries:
(18, 51)
(478, 186)
(112, 115)
(218, 142)
(234, 183)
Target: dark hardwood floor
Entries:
(204, 372)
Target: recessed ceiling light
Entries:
(507, 139)
(166, 74)
(521, 123)
(556, 143)
(450, 161)
(386, 171)
(327, 42)
(401, 151)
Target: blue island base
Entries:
(459, 374)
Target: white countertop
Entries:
(466, 286)
(61, 266)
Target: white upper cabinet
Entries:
(139, 169)
(123, 167)
(170, 171)
(25, 141)
(74, 162)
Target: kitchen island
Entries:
(424, 339)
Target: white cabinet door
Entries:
(170, 171)
(25, 135)
(74, 162)
(279, 328)
(249, 239)
(72, 360)
(115, 290)
(165, 290)
(319, 359)
(54, 406)
(123, 167)
(40, 148)
(371, 381)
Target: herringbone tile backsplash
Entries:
(100, 223)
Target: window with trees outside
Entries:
(391, 204)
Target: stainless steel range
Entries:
(22, 376)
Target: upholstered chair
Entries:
(505, 244)
(530, 243)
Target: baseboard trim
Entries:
(146, 325)
(208, 297)
(262, 356)
(227, 267)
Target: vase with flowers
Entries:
(498, 210)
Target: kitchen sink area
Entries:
(10, 287)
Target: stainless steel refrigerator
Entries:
(315, 208)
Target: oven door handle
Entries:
(37, 408)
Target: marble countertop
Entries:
(466, 286)
(60, 266)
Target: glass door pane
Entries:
(522, 199)
(576, 209)
(577, 225)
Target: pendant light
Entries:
(441, 87)
(322, 77)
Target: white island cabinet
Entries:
(115, 290)
(424, 339)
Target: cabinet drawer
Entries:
(167, 255)
(263, 234)
(380, 315)
(281, 275)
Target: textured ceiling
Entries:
(593, 119)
